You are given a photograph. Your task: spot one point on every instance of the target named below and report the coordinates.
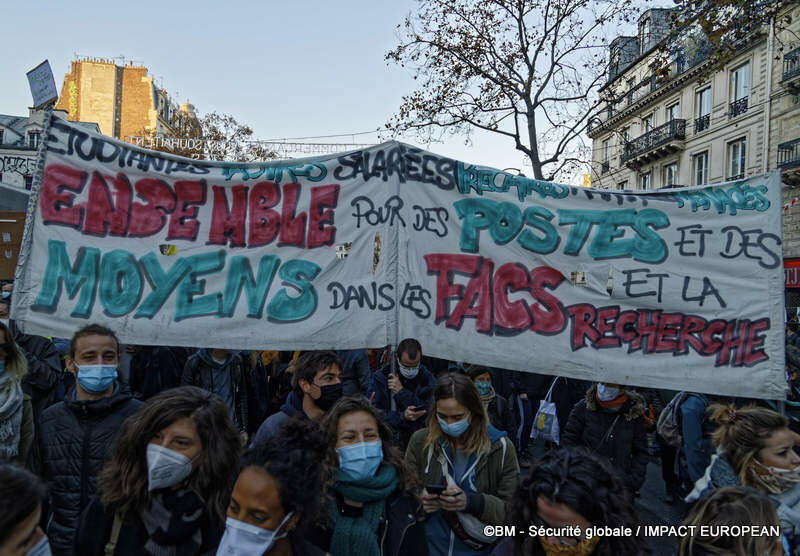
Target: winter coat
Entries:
(154, 369)
(492, 480)
(356, 374)
(696, 429)
(75, 441)
(626, 445)
(26, 432)
(44, 368)
(200, 371)
(500, 414)
(94, 532)
(273, 423)
(400, 531)
(417, 392)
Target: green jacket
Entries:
(496, 472)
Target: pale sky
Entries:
(288, 69)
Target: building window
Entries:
(28, 182)
(671, 174)
(702, 109)
(644, 34)
(701, 168)
(606, 163)
(739, 91)
(648, 122)
(33, 139)
(644, 181)
(626, 134)
(737, 152)
(673, 111)
(622, 185)
(1, 136)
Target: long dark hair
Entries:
(579, 479)
(16, 364)
(407, 479)
(23, 492)
(123, 480)
(294, 458)
(476, 438)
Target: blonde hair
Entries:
(475, 439)
(16, 364)
(729, 506)
(742, 433)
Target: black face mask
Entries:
(329, 395)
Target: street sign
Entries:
(43, 85)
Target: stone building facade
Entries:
(696, 124)
(123, 100)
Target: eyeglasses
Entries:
(539, 523)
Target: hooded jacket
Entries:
(75, 441)
(625, 445)
(416, 392)
(269, 428)
(201, 371)
(490, 481)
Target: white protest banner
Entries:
(677, 289)
(42, 84)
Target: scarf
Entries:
(10, 415)
(358, 535)
(487, 399)
(173, 522)
(583, 548)
(614, 404)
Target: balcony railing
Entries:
(736, 177)
(791, 64)
(789, 154)
(605, 167)
(737, 107)
(702, 123)
(674, 130)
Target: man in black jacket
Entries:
(77, 433)
(226, 374)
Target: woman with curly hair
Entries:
(168, 483)
(277, 494)
(567, 492)
(755, 449)
(371, 506)
(731, 507)
(16, 412)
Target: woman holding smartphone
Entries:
(469, 469)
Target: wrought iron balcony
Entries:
(737, 107)
(702, 123)
(791, 64)
(605, 167)
(656, 143)
(789, 154)
(736, 177)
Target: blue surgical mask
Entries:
(96, 378)
(244, 539)
(5, 295)
(41, 548)
(456, 429)
(361, 460)
(484, 388)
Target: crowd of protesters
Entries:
(110, 449)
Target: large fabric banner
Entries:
(679, 288)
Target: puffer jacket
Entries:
(626, 445)
(75, 441)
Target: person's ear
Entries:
(304, 386)
(72, 367)
(291, 523)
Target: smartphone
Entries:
(435, 489)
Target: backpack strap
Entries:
(111, 546)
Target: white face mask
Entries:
(165, 467)
(408, 372)
(606, 393)
(41, 548)
(244, 539)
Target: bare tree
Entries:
(528, 70)
(229, 141)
